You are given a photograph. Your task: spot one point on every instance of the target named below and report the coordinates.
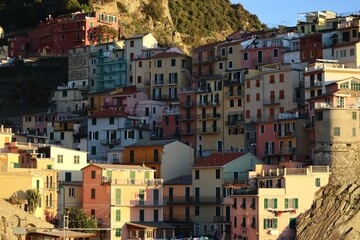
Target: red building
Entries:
(311, 48)
(55, 36)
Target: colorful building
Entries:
(166, 157)
(276, 196)
(127, 199)
(211, 202)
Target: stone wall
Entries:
(12, 216)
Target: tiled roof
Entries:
(168, 55)
(105, 114)
(152, 143)
(207, 47)
(180, 180)
(217, 159)
(120, 166)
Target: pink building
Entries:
(187, 117)
(55, 36)
(17, 47)
(127, 199)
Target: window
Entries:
(231, 103)
(132, 43)
(197, 174)
(262, 128)
(159, 63)
(354, 115)
(132, 156)
(247, 84)
(352, 52)
(221, 65)
(257, 84)
(60, 158)
(173, 62)
(111, 121)
(92, 213)
(156, 155)
(76, 159)
(281, 94)
(317, 182)
(272, 79)
(281, 77)
(230, 50)
(230, 64)
(336, 131)
(275, 127)
(117, 232)
(243, 204)
(270, 203)
(291, 203)
(253, 205)
(93, 150)
(140, 64)
(118, 215)
(270, 223)
(354, 132)
(276, 52)
(93, 193)
(235, 222)
(245, 56)
(319, 116)
(217, 173)
(93, 121)
(247, 114)
(258, 97)
(239, 102)
(197, 210)
(247, 97)
(93, 174)
(71, 192)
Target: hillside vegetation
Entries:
(186, 23)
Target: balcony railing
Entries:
(234, 93)
(233, 82)
(158, 82)
(172, 82)
(208, 130)
(209, 103)
(188, 132)
(187, 118)
(177, 218)
(209, 116)
(110, 141)
(271, 101)
(179, 199)
(245, 191)
(286, 134)
(131, 181)
(221, 219)
(208, 200)
(234, 122)
(142, 203)
(50, 186)
(187, 104)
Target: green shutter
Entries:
(147, 175)
(317, 182)
(296, 203)
(266, 203)
(132, 175)
(275, 223)
(118, 215)
(275, 203)
(118, 196)
(266, 226)
(286, 203)
(109, 173)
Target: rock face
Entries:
(11, 216)
(335, 213)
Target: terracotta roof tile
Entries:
(217, 159)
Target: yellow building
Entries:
(5, 136)
(213, 180)
(178, 210)
(276, 195)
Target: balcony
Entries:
(284, 134)
(113, 104)
(131, 181)
(158, 82)
(208, 116)
(287, 151)
(208, 200)
(165, 97)
(235, 181)
(187, 118)
(271, 101)
(110, 142)
(204, 60)
(209, 104)
(172, 82)
(221, 219)
(212, 130)
(187, 132)
(137, 203)
(245, 191)
(178, 200)
(50, 186)
(233, 82)
(315, 84)
(234, 123)
(187, 104)
(237, 93)
(177, 218)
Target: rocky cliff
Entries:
(184, 23)
(335, 211)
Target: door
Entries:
(156, 197)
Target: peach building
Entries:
(127, 199)
(275, 196)
(178, 210)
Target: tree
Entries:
(33, 199)
(79, 219)
(101, 34)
